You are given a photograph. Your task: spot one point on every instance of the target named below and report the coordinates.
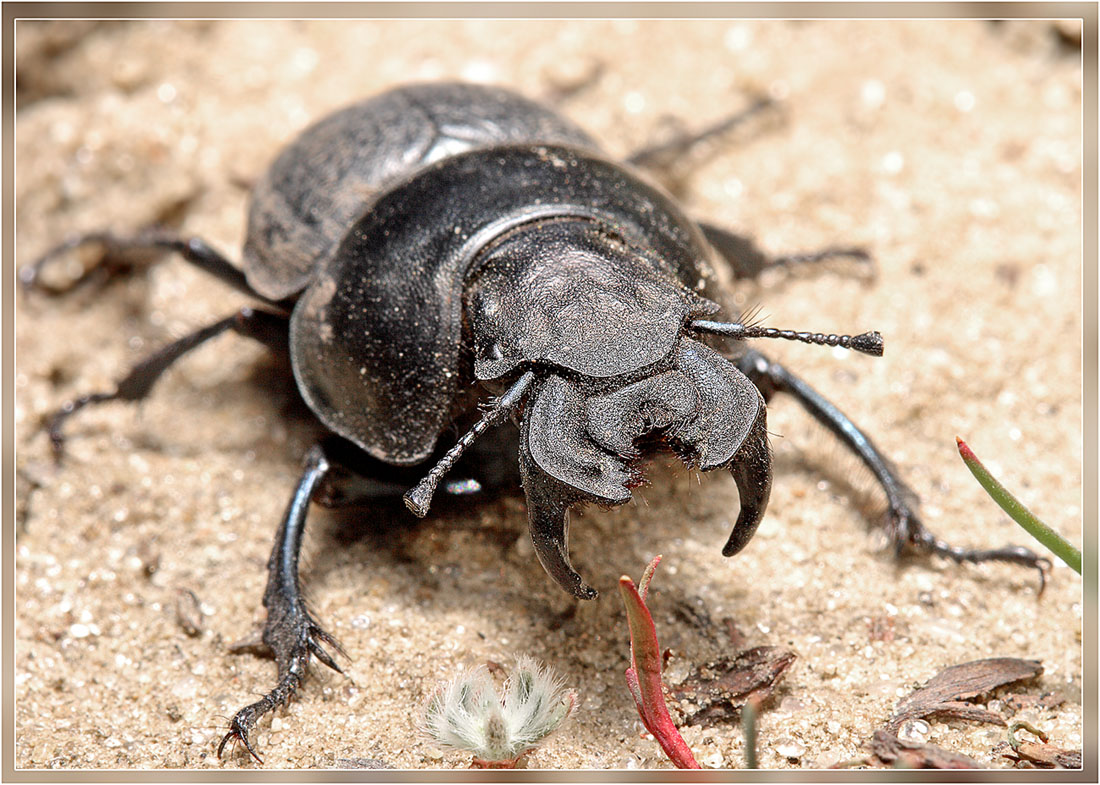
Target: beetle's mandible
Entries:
(437, 243)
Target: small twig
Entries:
(748, 727)
(1016, 726)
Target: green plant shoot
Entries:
(1052, 540)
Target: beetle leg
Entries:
(292, 634)
(663, 154)
(268, 328)
(747, 260)
(904, 526)
(194, 250)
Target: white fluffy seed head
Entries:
(469, 713)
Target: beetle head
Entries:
(602, 326)
(580, 443)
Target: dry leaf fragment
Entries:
(189, 612)
(946, 692)
(1020, 701)
(888, 750)
(716, 692)
(1045, 756)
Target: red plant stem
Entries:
(643, 678)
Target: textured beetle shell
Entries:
(376, 339)
(328, 177)
(579, 297)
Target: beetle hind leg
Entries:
(903, 524)
(290, 632)
(663, 154)
(130, 251)
(747, 260)
(905, 528)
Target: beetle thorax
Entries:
(570, 294)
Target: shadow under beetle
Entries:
(437, 240)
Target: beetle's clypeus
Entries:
(438, 240)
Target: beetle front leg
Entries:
(291, 632)
(268, 328)
(904, 526)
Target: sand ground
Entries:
(951, 150)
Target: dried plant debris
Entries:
(737, 639)
(725, 633)
(888, 750)
(189, 612)
(1016, 702)
(1039, 754)
(716, 692)
(150, 558)
(947, 693)
(881, 628)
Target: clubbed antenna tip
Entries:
(868, 343)
(419, 499)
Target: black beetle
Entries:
(440, 239)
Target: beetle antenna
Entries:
(419, 499)
(867, 343)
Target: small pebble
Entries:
(788, 748)
(714, 761)
(915, 731)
